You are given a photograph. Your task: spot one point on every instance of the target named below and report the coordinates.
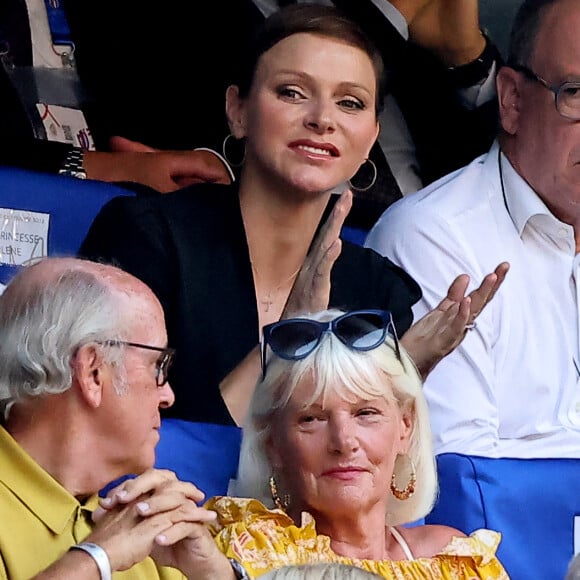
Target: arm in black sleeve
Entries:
(447, 134)
(34, 154)
(361, 278)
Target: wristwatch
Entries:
(476, 71)
(73, 164)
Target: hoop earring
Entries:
(224, 151)
(409, 490)
(281, 504)
(373, 179)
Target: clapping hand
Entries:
(311, 290)
(440, 331)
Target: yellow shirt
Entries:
(263, 540)
(40, 520)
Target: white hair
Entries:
(573, 572)
(328, 571)
(44, 322)
(349, 373)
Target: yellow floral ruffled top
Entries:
(263, 539)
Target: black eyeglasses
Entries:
(162, 364)
(567, 94)
(296, 338)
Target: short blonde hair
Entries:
(366, 375)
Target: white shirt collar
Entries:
(522, 202)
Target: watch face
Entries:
(79, 174)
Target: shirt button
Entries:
(562, 232)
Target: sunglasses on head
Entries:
(296, 338)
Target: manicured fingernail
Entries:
(106, 501)
(143, 506)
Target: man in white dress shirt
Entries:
(512, 388)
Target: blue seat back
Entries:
(202, 453)
(532, 502)
(64, 208)
(354, 235)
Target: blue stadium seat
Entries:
(532, 502)
(66, 205)
(354, 235)
(203, 453)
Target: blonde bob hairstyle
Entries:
(325, 571)
(353, 375)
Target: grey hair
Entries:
(323, 571)
(351, 374)
(525, 28)
(573, 572)
(44, 322)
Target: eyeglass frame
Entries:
(555, 88)
(162, 364)
(328, 326)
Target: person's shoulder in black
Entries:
(362, 278)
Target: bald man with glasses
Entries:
(83, 375)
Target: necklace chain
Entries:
(267, 300)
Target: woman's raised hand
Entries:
(311, 290)
(448, 28)
(440, 331)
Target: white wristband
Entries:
(98, 555)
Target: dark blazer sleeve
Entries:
(190, 250)
(362, 278)
(18, 146)
(447, 135)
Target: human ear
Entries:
(376, 136)
(407, 424)
(508, 92)
(274, 456)
(90, 374)
(377, 132)
(235, 112)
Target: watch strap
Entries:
(239, 570)
(476, 71)
(73, 164)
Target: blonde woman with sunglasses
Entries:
(337, 458)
